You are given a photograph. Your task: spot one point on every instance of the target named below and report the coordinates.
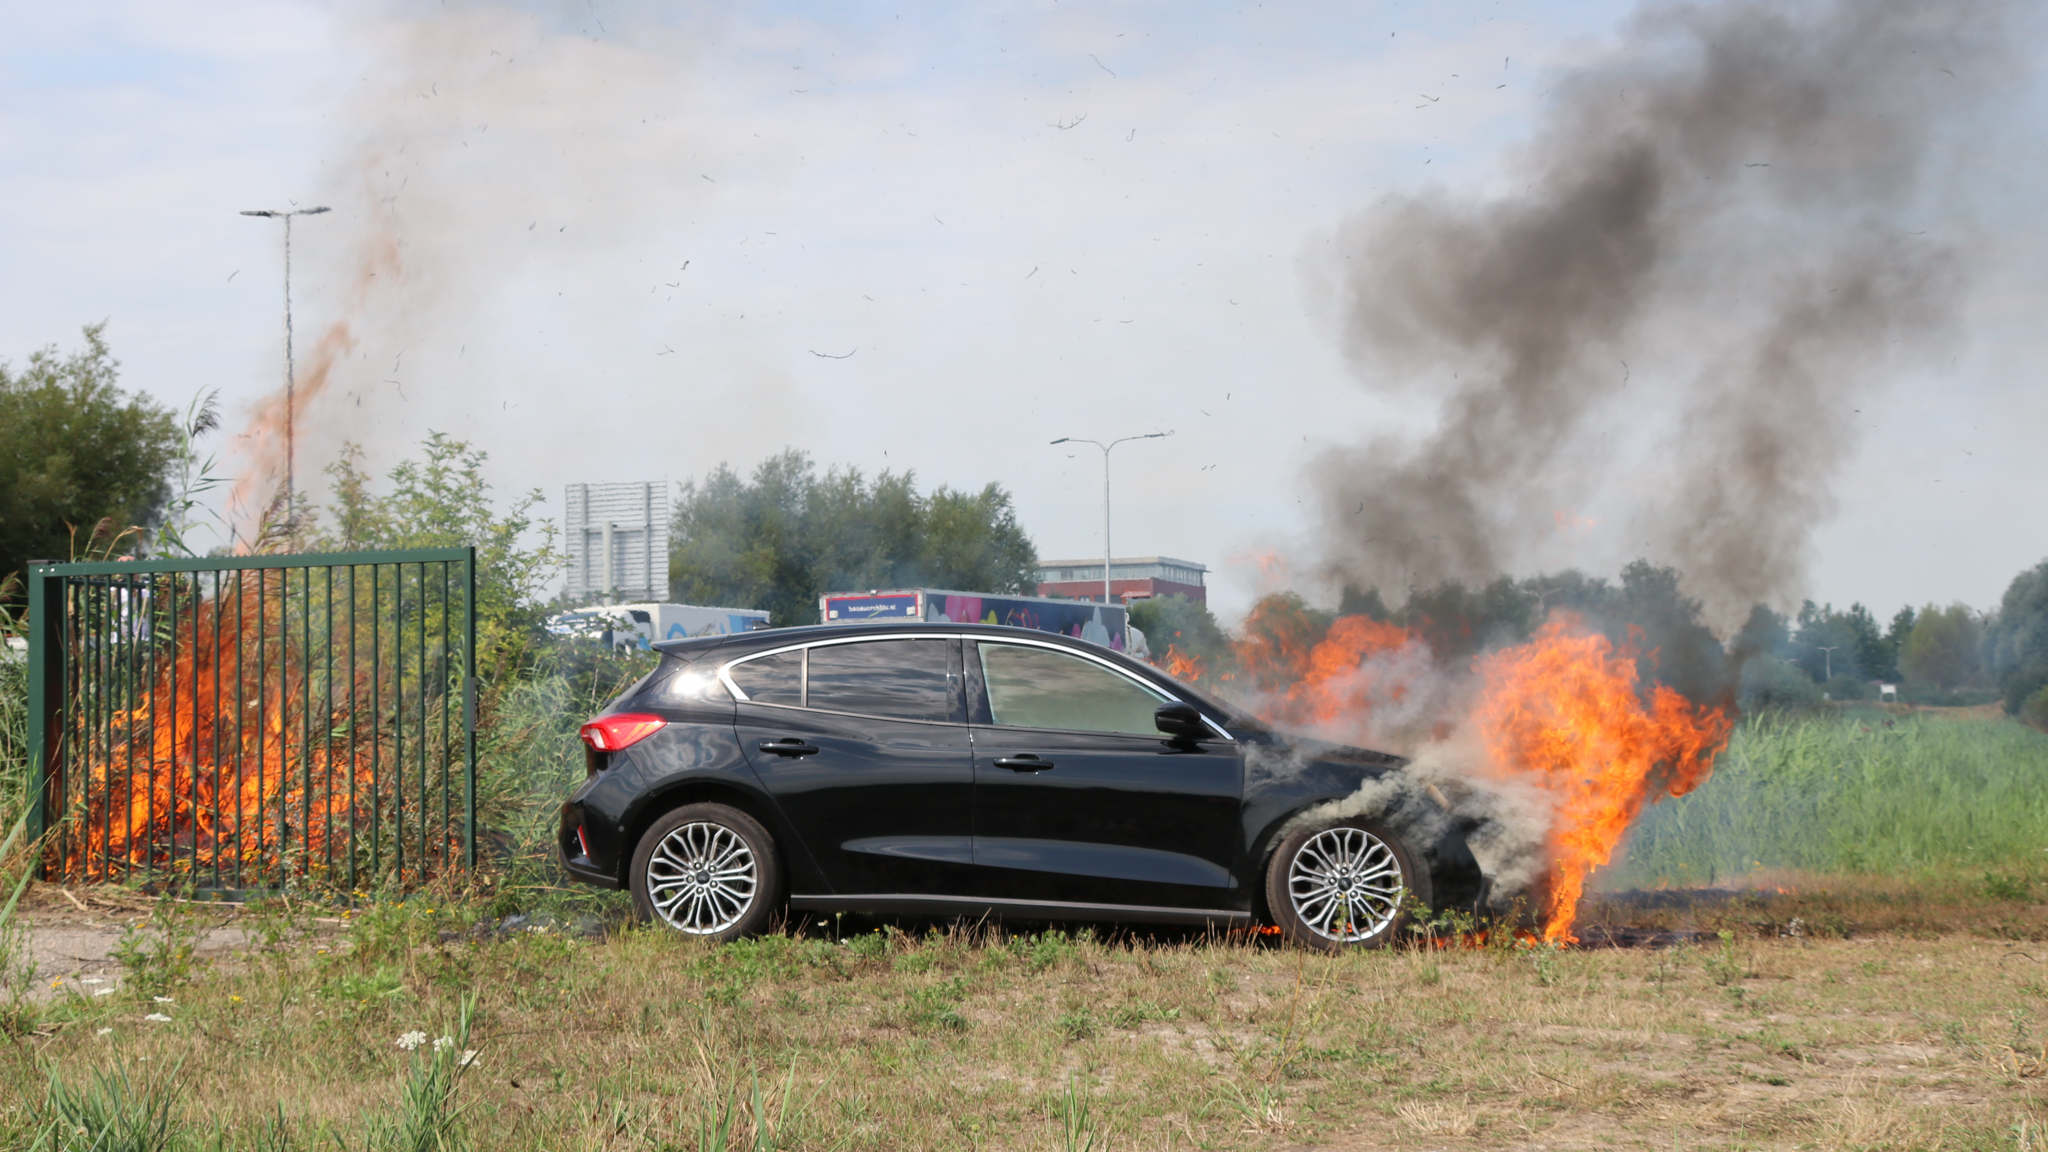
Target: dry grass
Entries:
(957, 1038)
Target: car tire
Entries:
(1342, 885)
(709, 871)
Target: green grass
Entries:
(354, 1036)
(13, 732)
(1858, 793)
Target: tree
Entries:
(1178, 622)
(1367, 603)
(789, 535)
(2016, 639)
(1876, 658)
(1830, 643)
(1766, 634)
(75, 450)
(1677, 649)
(1942, 648)
(1902, 627)
(442, 500)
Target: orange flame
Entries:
(239, 755)
(1182, 666)
(1564, 711)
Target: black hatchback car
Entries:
(973, 770)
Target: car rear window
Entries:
(900, 679)
(1032, 687)
(774, 679)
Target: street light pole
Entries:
(290, 384)
(1829, 658)
(1105, 494)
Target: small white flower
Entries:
(158, 1017)
(103, 1031)
(443, 1043)
(412, 1040)
(163, 1000)
(91, 980)
(104, 992)
(468, 1058)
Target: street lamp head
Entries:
(314, 211)
(259, 212)
(1062, 440)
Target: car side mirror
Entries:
(1180, 720)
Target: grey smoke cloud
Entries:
(1727, 227)
(489, 147)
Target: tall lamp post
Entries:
(1830, 650)
(1105, 493)
(290, 384)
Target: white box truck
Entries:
(642, 625)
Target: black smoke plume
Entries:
(1722, 233)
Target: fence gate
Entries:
(249, 722)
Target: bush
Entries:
(1773, 685)
(2035, 710)
(1847, 687)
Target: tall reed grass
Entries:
(1856, 793)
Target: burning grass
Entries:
(956, 1038)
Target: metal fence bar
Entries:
(354, 695)
(469, 712)
(217, 725)
(147, 678)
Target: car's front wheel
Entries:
(1342, 885)
(707, 870)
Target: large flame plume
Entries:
(255, 747)
(1565, 714)
(1567, 711)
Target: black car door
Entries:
(1079, 798)
(864, 746)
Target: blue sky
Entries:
(617, 248)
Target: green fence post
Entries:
(469, 714)
(45, 686)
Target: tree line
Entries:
(77, 452)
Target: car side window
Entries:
(898, 679)
(1032, 687)
(774, 679)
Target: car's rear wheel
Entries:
(1342, 885)
(707, 870)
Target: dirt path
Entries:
(74, 936)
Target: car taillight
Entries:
(620, 731)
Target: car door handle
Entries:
(789, 746)
(1025, 762)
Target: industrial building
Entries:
(1131, 578)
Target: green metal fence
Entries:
(255, 722)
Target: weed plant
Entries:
(114, 1110)
(1863, 794)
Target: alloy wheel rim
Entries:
(702, 878)
(1345, 884)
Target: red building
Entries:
(1130, 578)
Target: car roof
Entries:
(739, 642)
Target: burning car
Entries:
(976, 770)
